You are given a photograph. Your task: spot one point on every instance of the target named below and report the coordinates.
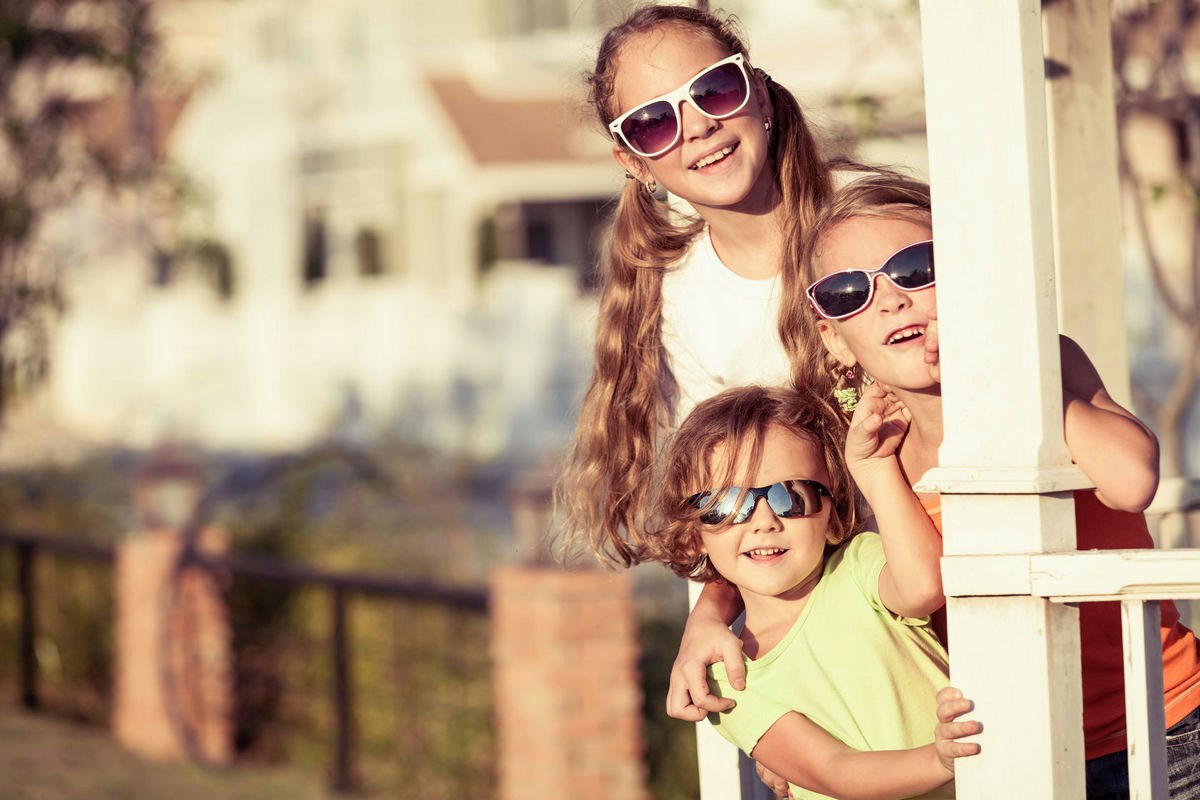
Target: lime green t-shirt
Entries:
(865, 675)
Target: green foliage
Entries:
(670, 744)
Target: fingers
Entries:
(735, 663)
(957, 730)
(689, 698)
(878, 425)
(778, 786)
(951, 704)
(932, 351)
(960, 749)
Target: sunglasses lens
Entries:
(842, 293)
(723, 508)
(721, 91)
(794, 499)
(912, 267)
(651, 128)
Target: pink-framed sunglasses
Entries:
(845, 293)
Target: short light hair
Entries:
(738, 419)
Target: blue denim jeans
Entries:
(1108, 776)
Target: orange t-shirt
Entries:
(1098, 527)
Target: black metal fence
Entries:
(388, 684)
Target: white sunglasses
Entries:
(718, 91)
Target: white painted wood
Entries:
(1017, 657)
(988, 164)
(1084, 184)
(1175, 494)
(1004, 652)
(1004, 480)
(1144, 714)
(717, 759)
(1074, 577)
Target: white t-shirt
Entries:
(719, 329)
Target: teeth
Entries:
(764, 551)
(906, 333)
(712, 158)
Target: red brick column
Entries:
(568, 698)
(173, 692)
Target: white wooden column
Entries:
(1005, 474)
(1085, 185)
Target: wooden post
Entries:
(1141, 626)
(343, 778)
(1005, 474)
(28, 634)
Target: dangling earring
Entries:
(767, 125)
(651, 186)
(847, 398)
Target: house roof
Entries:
(108, 123)
(498, 131)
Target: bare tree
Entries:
(1157, 72)
(51, 51)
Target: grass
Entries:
(45, 758)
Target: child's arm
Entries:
(1112, 446)
(707, 640)
(911, 581)
(800, 751)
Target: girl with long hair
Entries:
(691, 296)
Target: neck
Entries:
(749, 244)
(770, 617)
(919, 450)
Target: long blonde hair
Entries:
(883, 193)
(628, 405)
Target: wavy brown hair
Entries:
(735, 420)
(628, 406)
(883, 193)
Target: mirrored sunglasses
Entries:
(843, 294)
(797, 497)
(717, 91)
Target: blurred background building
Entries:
(380, 216)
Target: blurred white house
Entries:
(399, 205)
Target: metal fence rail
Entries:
(339, 586)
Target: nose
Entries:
(694, 123)
(764, 519)
(887, 297)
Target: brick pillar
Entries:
(173, 692)
(568, 698)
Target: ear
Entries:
(631, 164)
(831, 337)
(762, 94)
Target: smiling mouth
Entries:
(906, 334)
(764, 552)
(713, 158)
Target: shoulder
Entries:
(857, 563)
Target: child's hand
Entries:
(778, 786)
(876, 431)
(932, 354)
(704, 643)
(950, 706)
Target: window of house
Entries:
(368, 252)
(316, 249)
